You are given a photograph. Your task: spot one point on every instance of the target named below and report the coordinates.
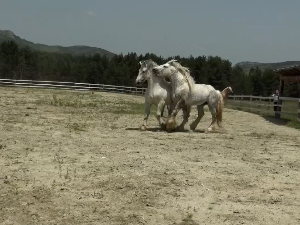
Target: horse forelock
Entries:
(149, 63)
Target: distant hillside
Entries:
(248, 65)
(6, 35)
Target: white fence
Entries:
(71, 86)
(286, 107)
(263, 105)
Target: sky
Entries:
(238, 30)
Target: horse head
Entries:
(164, 70)
(145, 71)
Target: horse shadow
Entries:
(188, 220)
(152, 129)
(158, 129)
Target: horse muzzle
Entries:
(139, 82)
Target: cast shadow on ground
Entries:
(279, 122)
(187, 221)
(157, 129)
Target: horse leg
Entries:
(162, 111)
(147, 112)
(194, 124)
(213, 111)
(171, 124)
(169, 109)
(159, 111)
(186, 114)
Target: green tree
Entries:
(270, 81)
(237, 80)
(256, 80)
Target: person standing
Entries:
(276, 99)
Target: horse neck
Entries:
(152, 81)
(177, 80)
(188, 81)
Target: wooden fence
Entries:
(286, 107)
(71, 86)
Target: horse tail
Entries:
(220, 108)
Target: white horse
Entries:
(158, 92)
(186, 94)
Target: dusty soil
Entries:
(78, 158)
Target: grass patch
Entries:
(76, 100)
(87, 100)
(83, 100)
(294, 123)
(268, 112)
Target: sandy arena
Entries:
(78, 158)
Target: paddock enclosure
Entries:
(71, 157)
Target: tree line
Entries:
(25, 63)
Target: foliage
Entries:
(25, 63)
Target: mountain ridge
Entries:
(7, 35)
(246, 65)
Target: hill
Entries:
(7, 35)
(246, 66)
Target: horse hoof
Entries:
(210, 129)
(192, 128)
(163, 126)
(143, 128)
(171, 126)
(180, 128)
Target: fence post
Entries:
(250, 103)
(278, 108)
(299, 111)
(259, 105)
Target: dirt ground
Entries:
(78, 158)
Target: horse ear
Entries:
(172, 60)
(140, 63)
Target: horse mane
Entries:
(184, 71)
(149, 63)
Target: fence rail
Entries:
(284, 107)
(71, 85)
